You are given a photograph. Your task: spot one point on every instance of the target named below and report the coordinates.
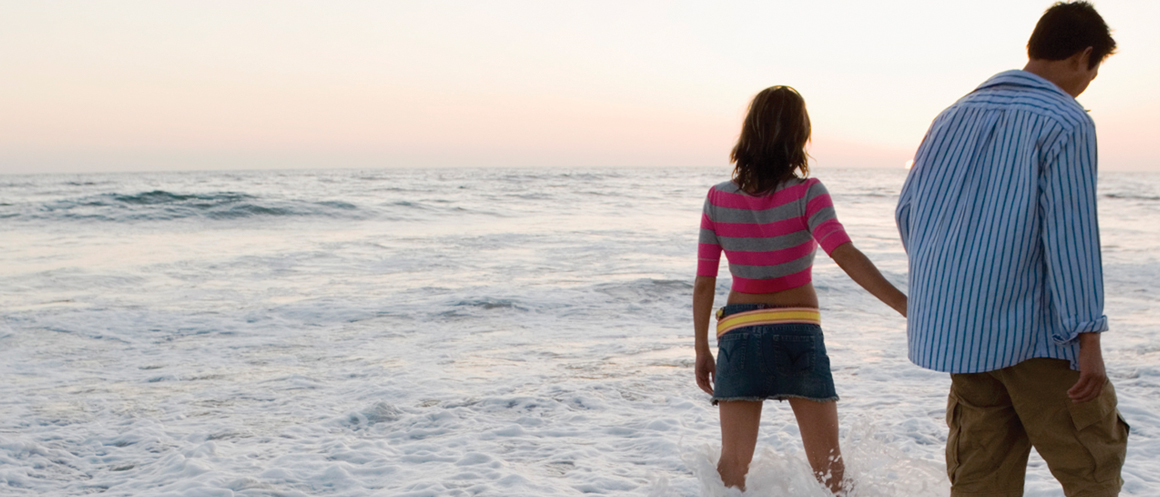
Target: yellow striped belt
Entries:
(758, 317)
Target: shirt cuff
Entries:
(1072, 329)
(708, 267)
(834, 240)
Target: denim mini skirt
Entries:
(771, 360)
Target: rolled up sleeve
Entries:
(1071, 238)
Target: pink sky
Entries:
(220, 85)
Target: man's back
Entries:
(998, 218)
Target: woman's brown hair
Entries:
(773, 141)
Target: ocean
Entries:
(455, 332)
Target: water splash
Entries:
(874, 468)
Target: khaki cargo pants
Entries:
(997, 416)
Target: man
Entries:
(998, 218)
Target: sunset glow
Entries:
(221, 85)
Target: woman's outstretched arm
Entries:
(703, 288)
(864, 273)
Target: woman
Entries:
(768, 220)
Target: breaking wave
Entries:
(160, 205)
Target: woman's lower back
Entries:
(802, 296)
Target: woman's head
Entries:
(773, 140)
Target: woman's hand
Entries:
(706, 371)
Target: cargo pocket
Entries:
(1125, 428)
(955, 429)
(793, 355)
(1102, 431)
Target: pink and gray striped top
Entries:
(768, 240)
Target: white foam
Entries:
(527, 335)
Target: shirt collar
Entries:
(1018, 77)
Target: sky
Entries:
(166, 85)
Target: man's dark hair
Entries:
(1067, 28)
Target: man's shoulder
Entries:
(1024, 92)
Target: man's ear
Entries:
(1081, 59)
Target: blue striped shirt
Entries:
(998, 219)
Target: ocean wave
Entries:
(160, 205)
(489, 303)
(646, 290)
(163, 205)
(162, 197)
(1130, 196)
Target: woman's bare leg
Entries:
(739, 422)
(818, 422)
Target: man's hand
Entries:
(1092, 375)
(706, 371)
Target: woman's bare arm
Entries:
(864, 273)
(703, 289)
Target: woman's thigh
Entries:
(740, 420)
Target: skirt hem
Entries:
(715, 400)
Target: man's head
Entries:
(1068, 45)
(1068, 28)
